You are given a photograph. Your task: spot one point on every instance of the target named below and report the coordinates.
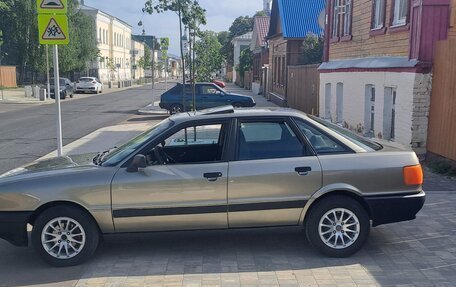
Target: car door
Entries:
(273, 176)
(183, 187)
(211, 96)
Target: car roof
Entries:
(230, 112)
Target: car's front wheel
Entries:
(65, 236)
(337, 226)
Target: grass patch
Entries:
(443, 168)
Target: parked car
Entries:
(89, 85)
(214, 169)
(66, 88)
(208, 95)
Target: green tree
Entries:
(312, 50)
(240, 26)
(245, 62)
(20, 26)
(208, 57)
(188, 11)
(145, 61)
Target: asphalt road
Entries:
(28, 133)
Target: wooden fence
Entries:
(442, 117)
(8, 76)
(303, 88)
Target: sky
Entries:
(220, 14)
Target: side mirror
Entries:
(139, 161)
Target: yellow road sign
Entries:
(53, 29)
(52, 6)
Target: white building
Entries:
(240, 44)
(114, 43)
(137, 52)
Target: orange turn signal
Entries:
(413, 175)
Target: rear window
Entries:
(86, 80)
(356, 139)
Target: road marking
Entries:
(437, 267)
(419, 239)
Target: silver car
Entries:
(215, 169)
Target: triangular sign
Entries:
(52, 4)
(53, 31)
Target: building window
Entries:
(369, 111)
(341, 18)
(378, 14)
(339, 102)
(347, 15)
(328, 101)
(400, 12)
(389, 113)
(335, 19)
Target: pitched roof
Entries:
(298, 18)
(261, 29)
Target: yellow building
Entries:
(114, 43)
(137, 52)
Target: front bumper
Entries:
(395, 208)
(13, 227)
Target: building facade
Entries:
(137, 53)
(259, 48)
(240, 44)
(376, 77)
(291, 22)
(114, 43)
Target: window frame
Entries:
(399, 26)
(380, 29)
(348, 150)
(339, 21)
(288, 120)
(227, 145)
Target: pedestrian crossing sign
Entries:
(53, 29)
(52, 6)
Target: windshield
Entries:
(356, 139)
(119, 154)
(61, 81)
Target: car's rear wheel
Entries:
(65, 236)
(176, 109)
(338, 226)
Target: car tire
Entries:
(333, 236)
(175, 109)
(82, 236)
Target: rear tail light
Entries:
(413, 175)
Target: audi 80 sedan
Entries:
(215, 169)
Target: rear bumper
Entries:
(13, 227)
(395, 208)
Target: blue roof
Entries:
(298, 17)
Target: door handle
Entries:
(212, 176)
(304, 170)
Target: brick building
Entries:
(291, 22)
(259, 48)
(376, 76)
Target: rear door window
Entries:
(268, 140)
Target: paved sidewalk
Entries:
(17, 96)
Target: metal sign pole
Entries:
(57, 100)
(47, 73)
